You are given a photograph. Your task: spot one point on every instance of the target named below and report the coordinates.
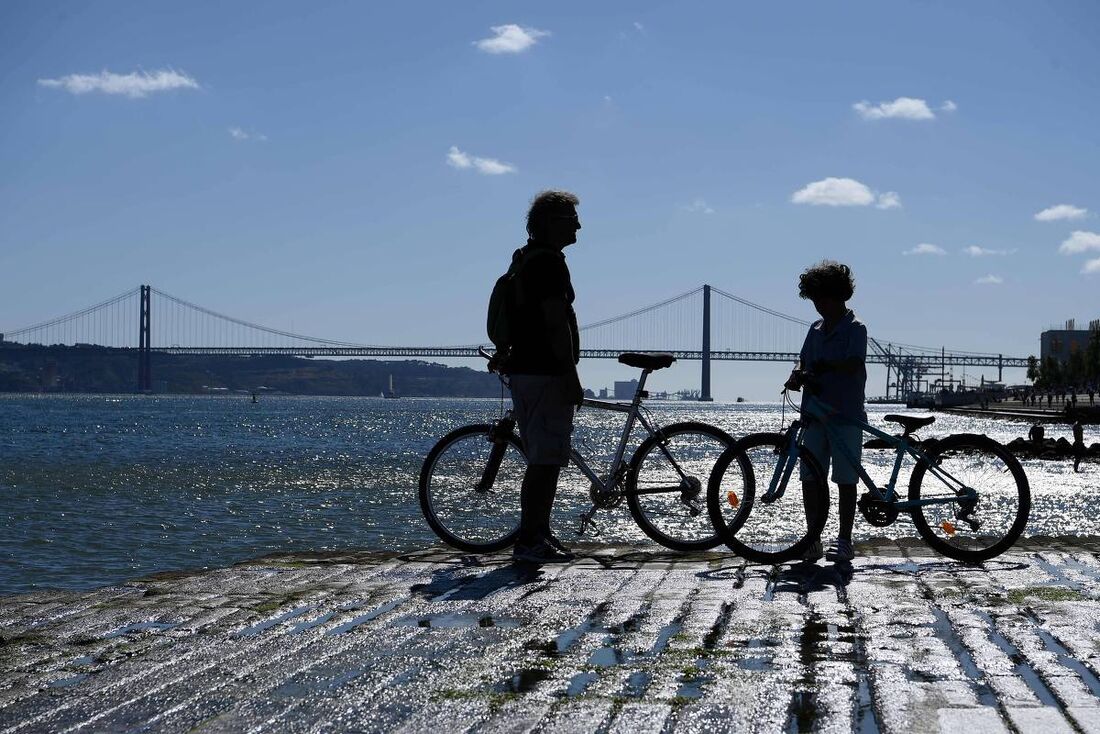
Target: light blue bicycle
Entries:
(968, 496)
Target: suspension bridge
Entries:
(704, 324)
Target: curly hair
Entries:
(548, 203)
(827, 279)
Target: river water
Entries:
(98, 489)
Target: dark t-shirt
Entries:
(544, 276)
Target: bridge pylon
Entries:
(704, 386)
(145, 347)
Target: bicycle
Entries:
(470, 481)
(968, 497)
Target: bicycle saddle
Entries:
(647, 361)
(911, 422)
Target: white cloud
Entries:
(133, 85)
(492, 167)
(458, 159)
(240, 134)
(904, 108)
(989, 280)
(1061, 211)
(925, 248)
(510, 39)
(949, 106)
(975, 251)
(639, 27)
(487, 166)
(889, 200)
(1080, 241)
(834, 192)
(1092, 266)
(699, 206)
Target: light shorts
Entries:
(818, 442)
(542, 405)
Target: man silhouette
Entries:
(542, 365)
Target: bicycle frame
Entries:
(814, 409)
(633, 415)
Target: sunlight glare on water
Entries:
(96, 490)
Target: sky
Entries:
(361, 171)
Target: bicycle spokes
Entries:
(669, 491)
(971, 501)
(471, 489)
(761, 510)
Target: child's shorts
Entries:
(820, 445)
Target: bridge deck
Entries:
(926, 362)
(626, 639)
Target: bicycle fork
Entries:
(498, 436)
(785, 466)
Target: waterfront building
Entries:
(1061, 343)
(625, 389)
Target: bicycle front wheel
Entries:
(974, 495)
(666, 484)
(760, 528)
(469, 493)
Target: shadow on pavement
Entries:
(452, 583)
(807, 577)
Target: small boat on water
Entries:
(391, 395)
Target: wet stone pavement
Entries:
(625, 639)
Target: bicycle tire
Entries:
(981, 457)
(462, 496)
(744, 483)
(650, 511)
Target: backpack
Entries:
(504, 302)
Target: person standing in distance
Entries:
(542, 366)
(1078, 445)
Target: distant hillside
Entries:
(101, 370)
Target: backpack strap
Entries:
(520, 258)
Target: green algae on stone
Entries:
(1046, 593)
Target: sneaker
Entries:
(840, 551)
(558, 546)
(814, 552)
(539, 553)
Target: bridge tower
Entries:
(704, 387)
(145, 366)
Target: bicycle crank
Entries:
(877, 512)
(604, 499)
(586, 523)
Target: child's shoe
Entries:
(840, 551)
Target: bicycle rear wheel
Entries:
(764, 532)
(466, 506)
(970, 527)
(666, 484)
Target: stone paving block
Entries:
(1086, 717)
(982, 720)
(578, 717)
(1038, 720)
(640, 718)
(628, 638)
(517, 717)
